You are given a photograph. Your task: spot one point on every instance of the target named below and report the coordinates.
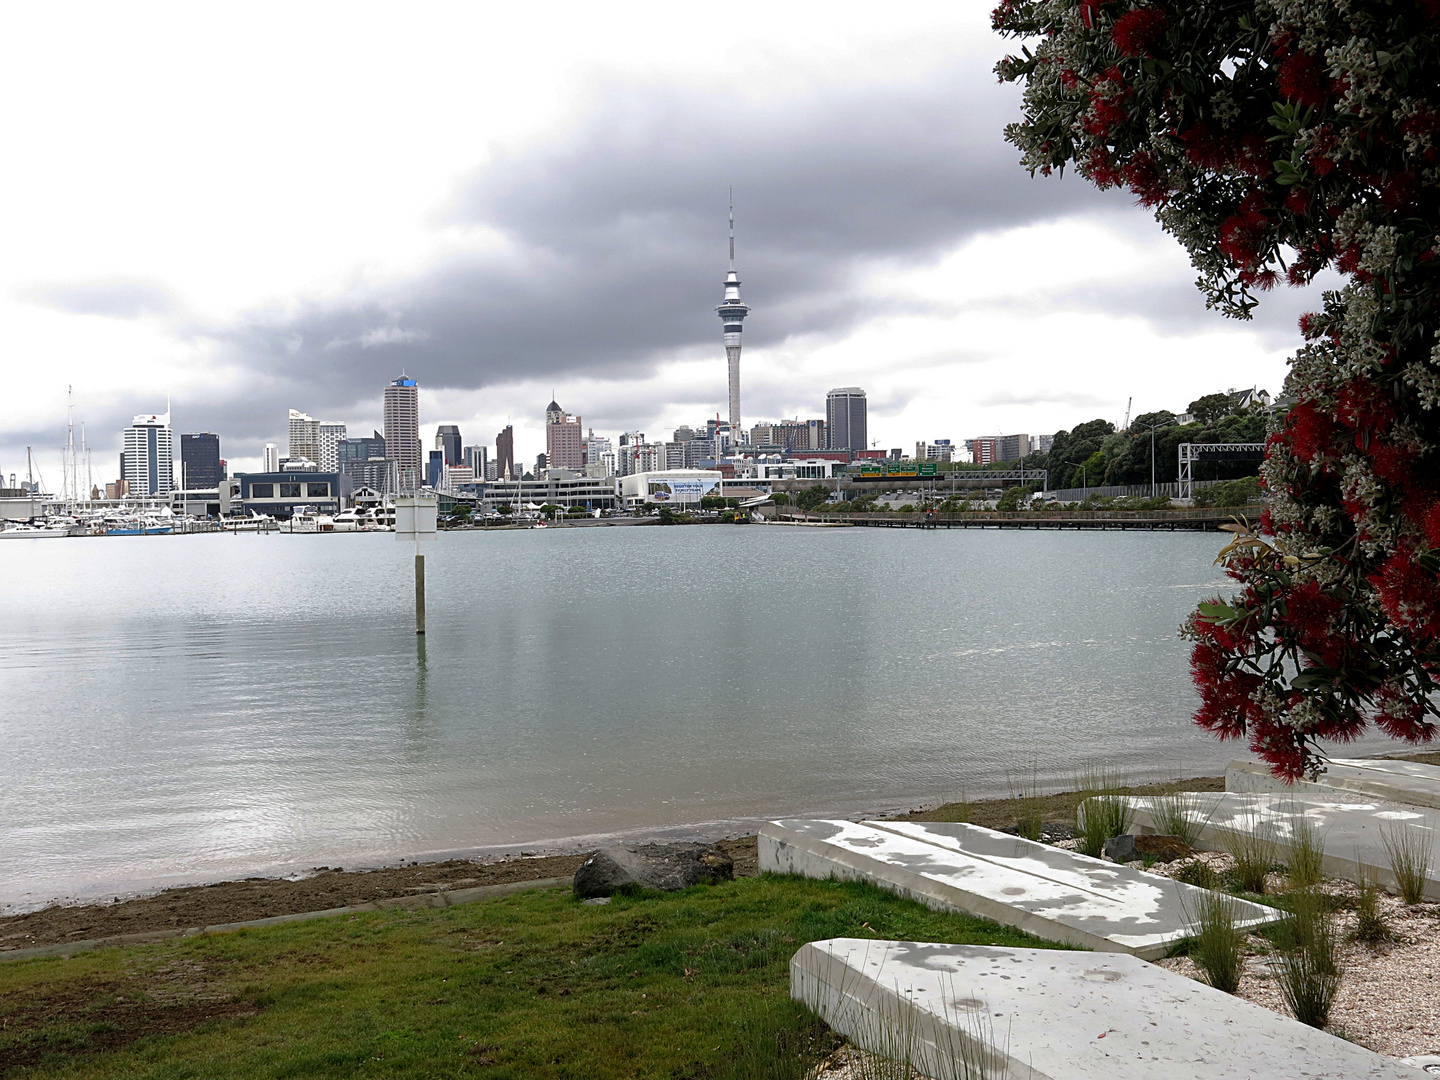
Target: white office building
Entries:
(330, 435)
(148, 458)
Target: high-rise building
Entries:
(435, 470)
(148, 461)
(989, 449)
(402, 431)
(363, 460)
(476, 458)
(732, 315)
(200, 466)
(304, 437)
(939, 450)
(505, 453)
(447, 441)
(271, 458)
(596, 447)
(845, 419)
(564, 441)
(330, 435)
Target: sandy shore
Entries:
(263, 898)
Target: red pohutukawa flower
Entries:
(1272, 146)
(1137, 32)
(1303, 79)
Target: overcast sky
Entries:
(251, 208)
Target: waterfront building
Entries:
(447, 441)
(505, 452)
(560, 487)
(200, 466)
(282, 494)
(732, 314)
(147, 462)
(846, 422)
(673, 487)
(402, 431)
(270, 459)
(564, 441)
(329, 435)
(304, 436)
(196, 502)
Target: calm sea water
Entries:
(180, 709)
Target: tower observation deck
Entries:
(732, 314)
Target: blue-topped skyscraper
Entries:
(732, 314)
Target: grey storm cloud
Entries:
(115, 299)
(614, 232)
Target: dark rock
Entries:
(1162, 848)
(1119, 849)
(1124, 849)
(652, 866)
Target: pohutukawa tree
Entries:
(1273, 139)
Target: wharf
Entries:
(1187, 520)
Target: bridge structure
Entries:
(1188, 520)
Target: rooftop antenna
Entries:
(732, 227)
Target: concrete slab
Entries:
(1054, 894)
(1032, 1014)
(1352, 832)
(1368, 778)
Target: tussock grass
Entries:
(1028, 803)
(1304, 853)
(1410, 850)
(1370, 925)
(1217, 944)
(533, 985)
(1102, 812)
(1309, 959)
(1173, 819)
(1255, 853)
(1200, 874)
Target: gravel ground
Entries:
(1389, 997)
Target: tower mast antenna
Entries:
(732, 314)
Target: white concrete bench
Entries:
(1353, 833)
(1054, 894)
(1369, 778)
(1037, 1014)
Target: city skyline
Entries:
(560, 248)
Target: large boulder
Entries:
(652, 866)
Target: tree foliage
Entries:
(1274, 139)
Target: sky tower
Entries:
(732, 313)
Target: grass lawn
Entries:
(533, 985)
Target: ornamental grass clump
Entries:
(1371, 927)
(1217, 944)
(1304, 853)
(1103, 811)
(1279, 140)
(1309, 959)
(1028, 804)
(1255, 854)
(1410, 849)
(1172, 818)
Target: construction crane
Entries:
(1128, 402)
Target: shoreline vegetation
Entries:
(532, 982)
(331, 887)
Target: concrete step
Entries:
(1353, 832)
(1373, 778)
(1054, 894)
(975, 1011)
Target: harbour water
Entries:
(196, 708)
